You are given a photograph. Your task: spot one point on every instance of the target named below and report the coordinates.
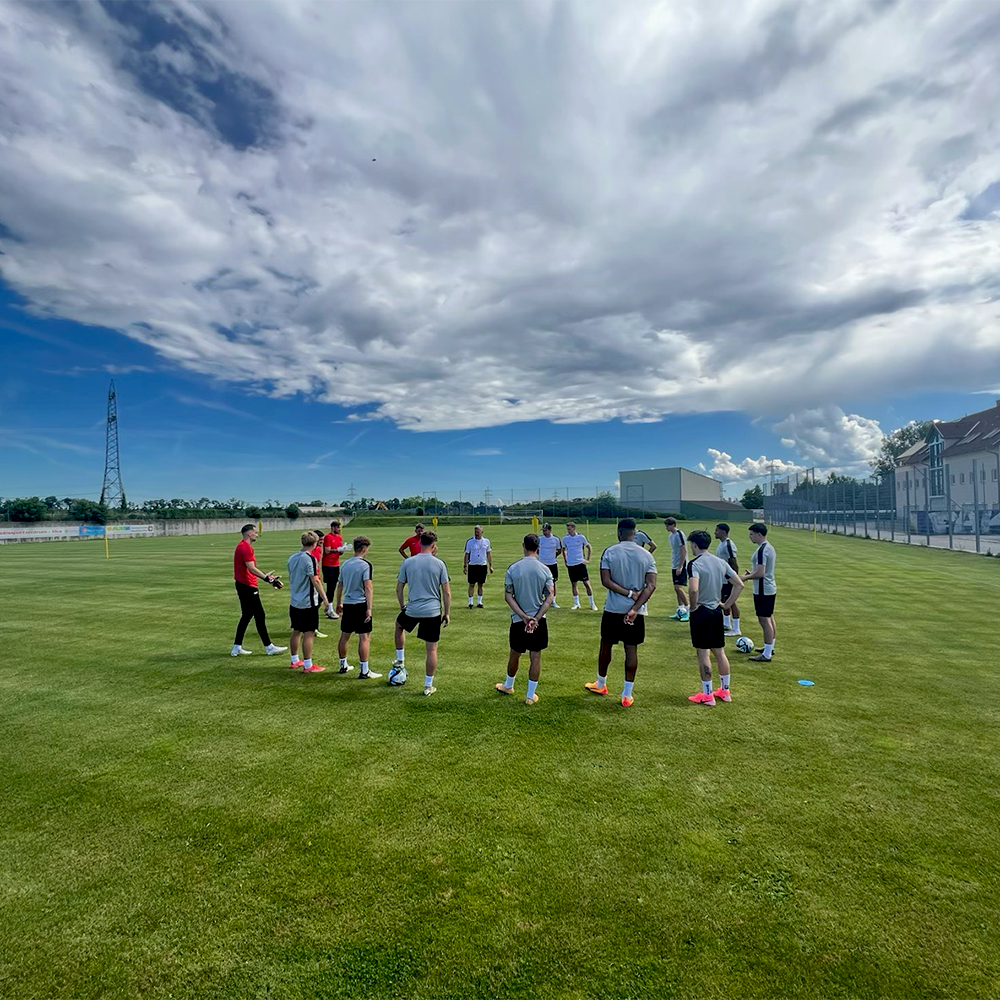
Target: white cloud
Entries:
(483, 451)
(456, 216)
(829, 438)
(725, 469)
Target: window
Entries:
(982, 475)
(994, 475)
(953, 479)
(961, 478)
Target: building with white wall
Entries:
(677, 491)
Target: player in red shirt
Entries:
(333, 545)
(411, 547)
(246, 575)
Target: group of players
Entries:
(707, 588)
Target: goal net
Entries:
(521, 515)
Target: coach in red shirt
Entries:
(333, 545)
(411, 547)
(246, 575)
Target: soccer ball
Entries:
(744, 644)
(397, 677)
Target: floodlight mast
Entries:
(112, 492)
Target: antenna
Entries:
(112, 492)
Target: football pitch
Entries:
(177, 822)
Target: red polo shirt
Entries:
(243, 555)
(413, 542)
(331, 541)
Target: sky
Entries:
(443, 248)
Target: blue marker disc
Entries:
(806, 684)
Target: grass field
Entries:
(176, 822)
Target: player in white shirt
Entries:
(678, 567)
(549, 551)
(726, 550)
(478, 561)
(576, 554)
(528, 591)
(628, 573)
(764, 590)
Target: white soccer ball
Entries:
(745, 644)
(397, 677)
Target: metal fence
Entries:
(885, 508)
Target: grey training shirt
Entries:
(353, 574)
(423, 575)
(302, 593)
(764, 555)
(677, 541)
(726, 550)
(629, 563)
(711, 572)
(531, 582)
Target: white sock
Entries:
(399, 655)
(576, 602)
(725, 682)
(531, 689)
(308, 663)
(706, 686)
(736, 625)
(480, 600)
(428, 681)
(343, 661)
(768, 649)
(470, 602)
(364, 666)
(236, 648)
(295, 657)
(509, 683)
(627, 689)
(592, 604)
(601, 681)
(726, 622)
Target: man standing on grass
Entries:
(478, 559)
(246, 575)
(708, 574)
(354, 604)
(305, 592)
(549, 551)
(644, 541)
(411, 546)
(528, 591)
(726, 551)
(427, 607)
(333, 545)
(317, 553)
(576, 555)
(628, 573)
(764, 589)
(678, 568)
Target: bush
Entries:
(292, 511)
(26, 509)
(88, 511)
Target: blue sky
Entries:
(438, 248)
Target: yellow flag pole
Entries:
(107, 554)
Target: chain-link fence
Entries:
(893, 508)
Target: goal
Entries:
(521, 515)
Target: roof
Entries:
(723, 505)
(971, 433)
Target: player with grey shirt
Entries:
(549, 550)
(354, 604)
(628, 573)
(305, 590)
(428, 605)
(678, 567)
(764, 589)
(726, 550)
(708, 575)
(528, 590)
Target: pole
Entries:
(907, 508)
(107, 554)
(975, 500)
(947, 504)
(864, 496)
(927, 513)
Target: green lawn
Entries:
(176, 822)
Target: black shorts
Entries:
(477, 574)
(428, 629)
(554, 570)
(763, 605)
(353, 619)
(707, 628)
(681, 576)
(727, 590)
(577, 573)
(331, 574)
(522, 642)
(304, 619)
(614, 629)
